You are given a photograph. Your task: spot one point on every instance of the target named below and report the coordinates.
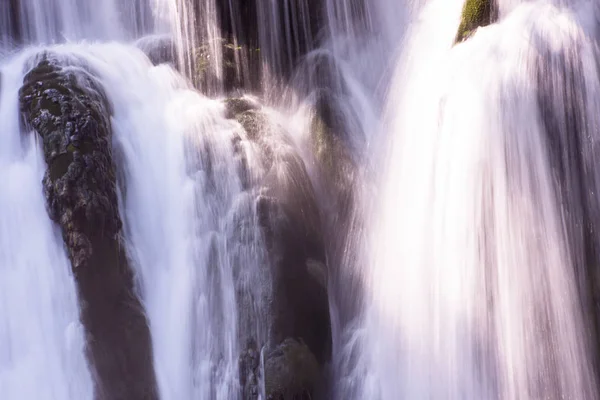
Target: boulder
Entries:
(237, 105)
(291, 370)
(67, 108)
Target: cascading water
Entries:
(478, 247)
(452, 195)
(41, 338)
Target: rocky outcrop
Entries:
(69, 111)
(476, 13)
(291, 370)
(299, 322)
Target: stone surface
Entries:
(69, 111)
(292, 228)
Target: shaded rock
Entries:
(237, 105)
(256, 124)
(69, 111)
(159, 49)
(319, 70)
(291, 225)
(571, 130)
(331, 144)
(238, 67)
(290, 31)
(334, 131)
(476, 13)
(289, 217)
(249, 372)
(291, 372)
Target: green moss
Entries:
(476, 13)
(254, 123)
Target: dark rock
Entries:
(159, 49)
(284, 31)
(476, 13)
(331, 144)
(335, 179)
(239, 67)
(291, 372)
(256, 124)
(291, 224)
(237, 105)
(572, 151)
(249, 372)
(69, 111)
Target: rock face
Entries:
(68, 110)
(299, 322)
(290, 370)
(476, 13)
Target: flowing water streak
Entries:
(472, 278)
(192, 229)
(41, 338)
(50, 21)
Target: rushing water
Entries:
(459, 223)
(41, 338)
(477, 239)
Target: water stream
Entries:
(459, 218)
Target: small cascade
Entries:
(41, 338)
(329, 199)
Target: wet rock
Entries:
(238, 67)
(291, 372)
(256, 124)
(476, 13)
(250, 372)
(334, 131)
(291, 224)
(159, 49)
(237, 105)
(69, 111)
(243, 21)
(331, 144)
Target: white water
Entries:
(463, 267)
(472, 279)
(185, 217)
(41, 338)
(191, 228)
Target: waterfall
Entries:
(328, 199)
(478, 244)
(41, 350)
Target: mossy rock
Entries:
(255, 123)
(475, 14)
(64, 103)
(291, 372)
(237, 105)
